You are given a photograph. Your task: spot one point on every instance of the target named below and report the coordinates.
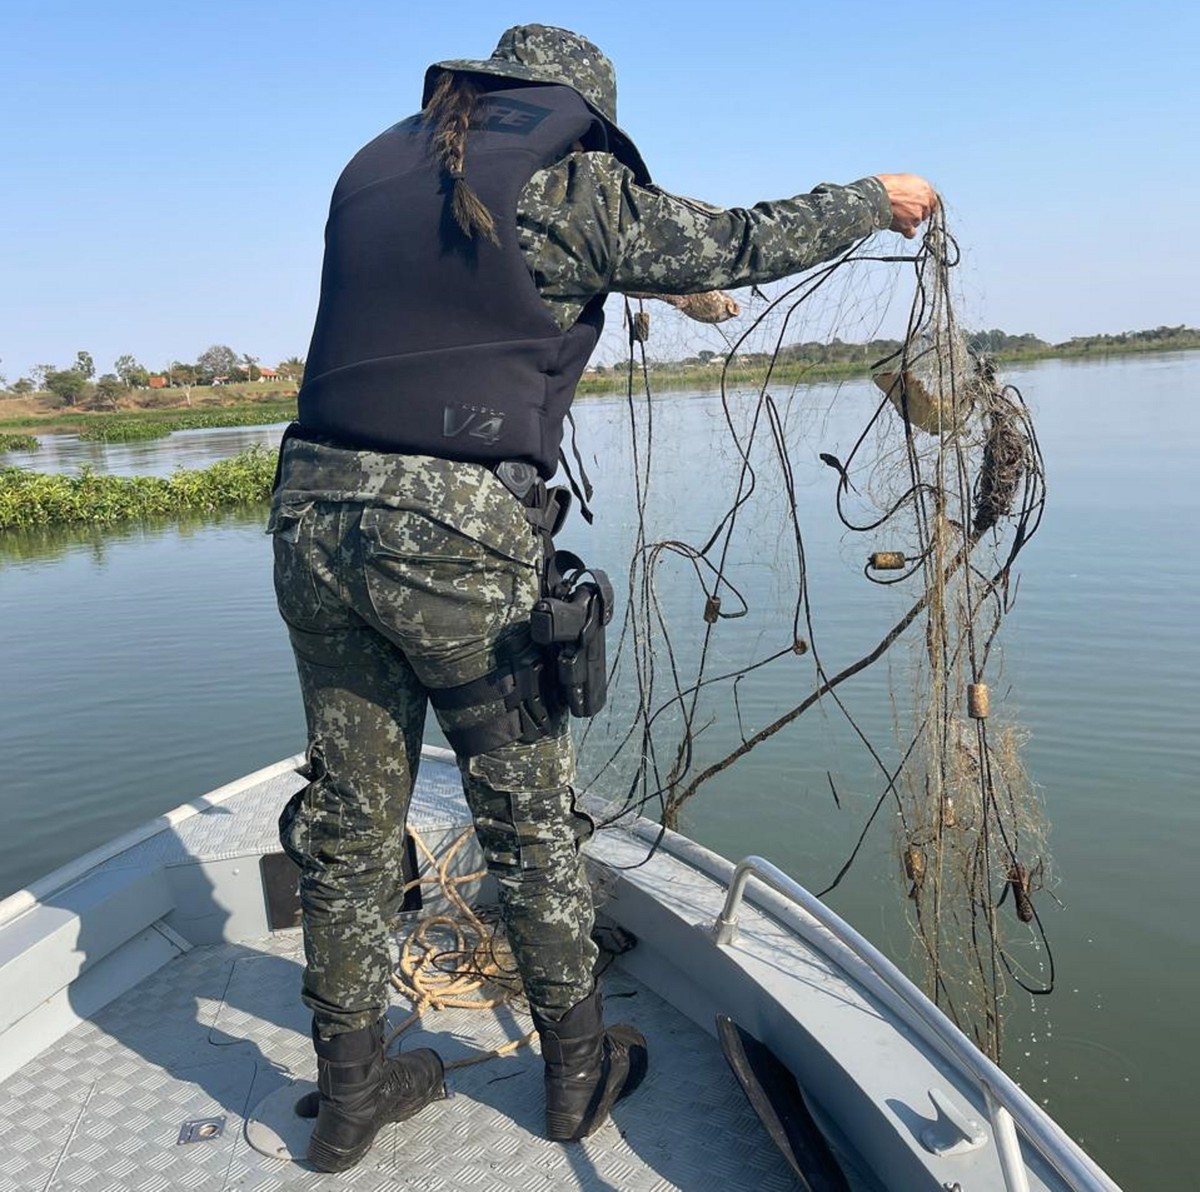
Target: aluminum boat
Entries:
(152, 1035)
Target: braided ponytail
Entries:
(449, 111)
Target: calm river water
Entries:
(145, 665)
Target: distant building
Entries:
(158, 382)
(268, 374)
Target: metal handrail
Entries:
(1008, 1107)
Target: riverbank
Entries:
(670, 376)
(23, 418)
(151, 414)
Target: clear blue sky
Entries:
(167, 166)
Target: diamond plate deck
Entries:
(220, 1027)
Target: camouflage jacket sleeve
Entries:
(587, 227)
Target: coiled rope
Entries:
(475, 973)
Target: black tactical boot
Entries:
(588, 1068)
(361, 1090)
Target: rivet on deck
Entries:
(200, 1130)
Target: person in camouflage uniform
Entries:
(399, 574)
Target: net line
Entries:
(947, 475)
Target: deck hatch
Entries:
(281, 888)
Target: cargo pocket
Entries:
(290, 525)
(446, 594)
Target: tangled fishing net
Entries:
(938, 492)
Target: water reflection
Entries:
(146, 457)
(46, 544)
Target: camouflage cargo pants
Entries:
(395, 575)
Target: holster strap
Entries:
(526, 717)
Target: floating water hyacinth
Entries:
(29, 499)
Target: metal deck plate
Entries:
(216, 1030)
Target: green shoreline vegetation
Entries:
(123, 409)
(18, 443)
(222, 389)
(28, 544)
(116, 428)
(34, 499)
(838, 361)
(151, 421)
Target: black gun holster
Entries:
(568, 622)
(576, 602)
(566, 665)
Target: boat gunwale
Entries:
(864, 965)
(20, 901)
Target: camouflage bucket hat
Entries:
(544, 54)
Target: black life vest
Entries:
(431, 343)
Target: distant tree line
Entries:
(77, 385)
(837, 354)
(1155, 339)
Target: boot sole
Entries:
(326, 1158)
